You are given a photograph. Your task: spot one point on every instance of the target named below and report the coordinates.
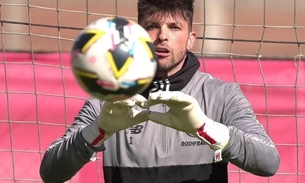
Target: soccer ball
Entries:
(113, 59)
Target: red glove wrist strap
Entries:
(204, 135)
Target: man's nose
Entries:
(163, 34)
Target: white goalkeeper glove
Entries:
(186, 115)
(114, 117)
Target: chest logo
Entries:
(137, 129)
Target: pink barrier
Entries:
(39, 98)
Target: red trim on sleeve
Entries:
(99, 138)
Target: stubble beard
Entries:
(171, 65)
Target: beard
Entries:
(171, 63)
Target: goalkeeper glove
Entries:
(114, 117)
(186, 115)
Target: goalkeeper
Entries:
(185, 127)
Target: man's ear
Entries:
(191, 40)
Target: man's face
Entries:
(172, 39)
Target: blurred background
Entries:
(258, 44)
(257, 27)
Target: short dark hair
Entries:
(183, 8)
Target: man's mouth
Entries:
(162, 52)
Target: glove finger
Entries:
(140, 100)
(139, 116)
(161, 95)
(169, 98)
(134, 117)
(160, 118)
(117, 107)
(130, 102)
(157, 98)
(107, 106)
(167, 119)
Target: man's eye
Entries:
(151, 27)
(175, 27)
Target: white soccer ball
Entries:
(113, 59)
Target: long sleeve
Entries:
(68, 154)
(249, 147)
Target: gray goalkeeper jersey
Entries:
(152, 153)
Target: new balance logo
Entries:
(137, 129)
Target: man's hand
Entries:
(186, 115)
(114, 117)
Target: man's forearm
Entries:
(64, 158)
(253, 153)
